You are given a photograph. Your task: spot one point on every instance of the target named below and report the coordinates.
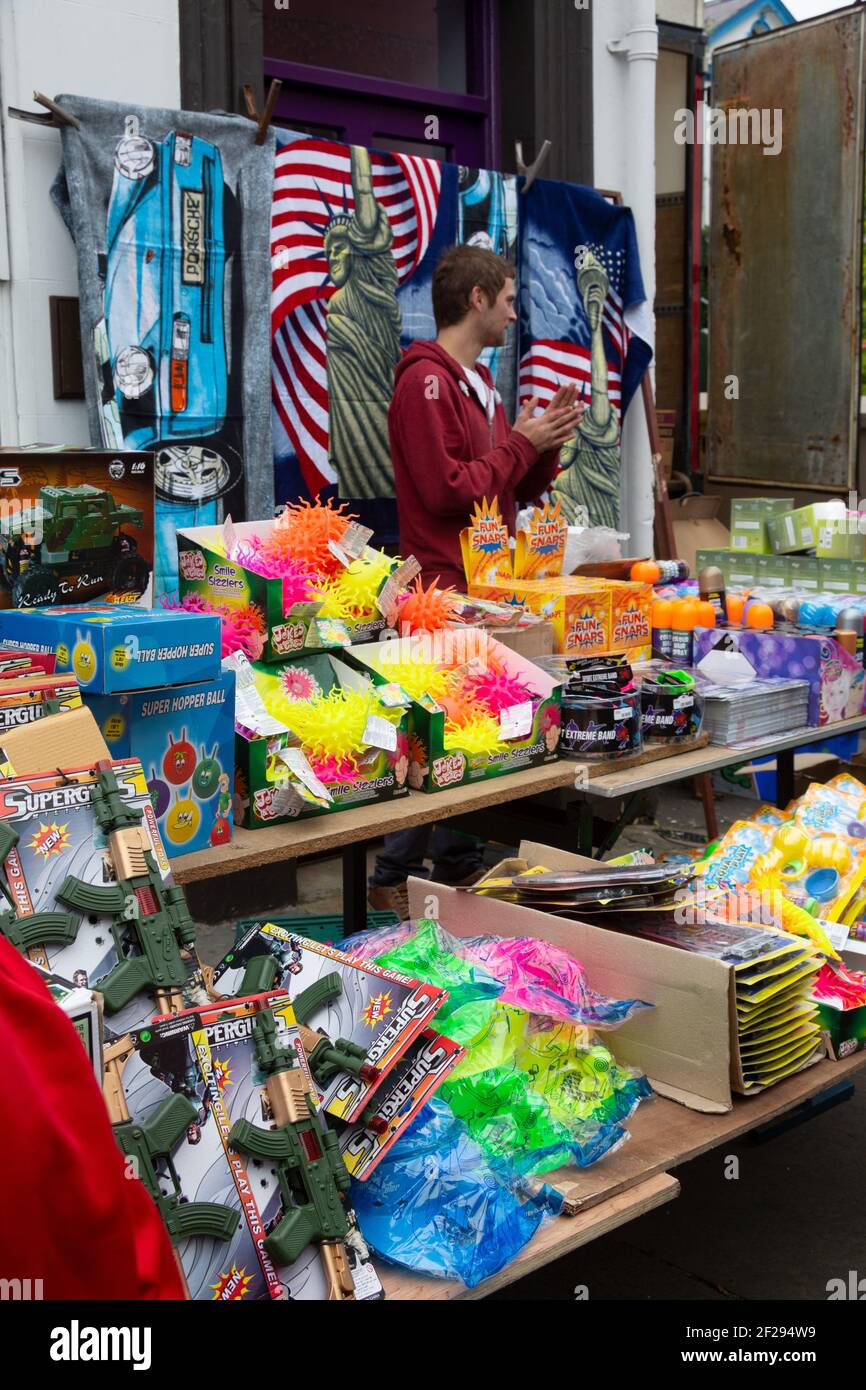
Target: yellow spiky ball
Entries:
(334, 602)
(478, 737)
(417, 676)
(333, 725)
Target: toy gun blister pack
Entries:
(84, 876)
(254, 1145)
(360, 1022)
(149, 1144)
(139, 904)
(311, 1172)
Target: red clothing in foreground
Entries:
(69, 1215)
(445, 461)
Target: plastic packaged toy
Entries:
(671, 709)
(597, 726)
(438, 1205)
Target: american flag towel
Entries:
(583, 318)
(386, 220)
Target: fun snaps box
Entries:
(112, 648)
(589, 616)
(184, 736)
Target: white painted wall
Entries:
(125, 50)
(624, 99)
(689, 12)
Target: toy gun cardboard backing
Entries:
(51, 839)
(377, 1010)
(423, 1067)
(207, 1058)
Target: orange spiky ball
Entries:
(460, 709)
(306, 527)
(426, 610)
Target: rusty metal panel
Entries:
(785, 261)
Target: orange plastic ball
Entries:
(734, 605)
(645, 572)
(759, 615)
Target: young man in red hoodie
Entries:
(451, 445)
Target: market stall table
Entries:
(634, 1179)
(573, 785)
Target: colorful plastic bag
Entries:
(437, 1205)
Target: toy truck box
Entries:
(204, 1063)
(274, 782)
(529, 733)
(75, 525)
(184, 737)
(205, 571)
(111, 649)
(49, 833)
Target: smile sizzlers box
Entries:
(112, 648)
(184, 736)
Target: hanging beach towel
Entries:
(169, 211)
(583, 318)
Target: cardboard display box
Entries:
(68, 739)
(589, 616)
(836, 679)
(531, 739)
(687, 1044)
(112, 648)
(205, 571)
(24, 699)
(184, 737)
(75, 524)
(844, 1030)
(18, 663)
(828, 528)
(697, 527)
(268, 791)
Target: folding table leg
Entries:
(355, 887)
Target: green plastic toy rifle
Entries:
(138, 903)
(310, 1168)
(326, 1058)
(151, 1141)
(26, 933)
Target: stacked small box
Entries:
(749, 518)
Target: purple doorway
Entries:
(338, 64)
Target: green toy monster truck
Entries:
(70, 546)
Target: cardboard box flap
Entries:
(71, 739)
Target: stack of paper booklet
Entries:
(755, 709)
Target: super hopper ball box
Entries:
(185, 738)
(113, 648)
